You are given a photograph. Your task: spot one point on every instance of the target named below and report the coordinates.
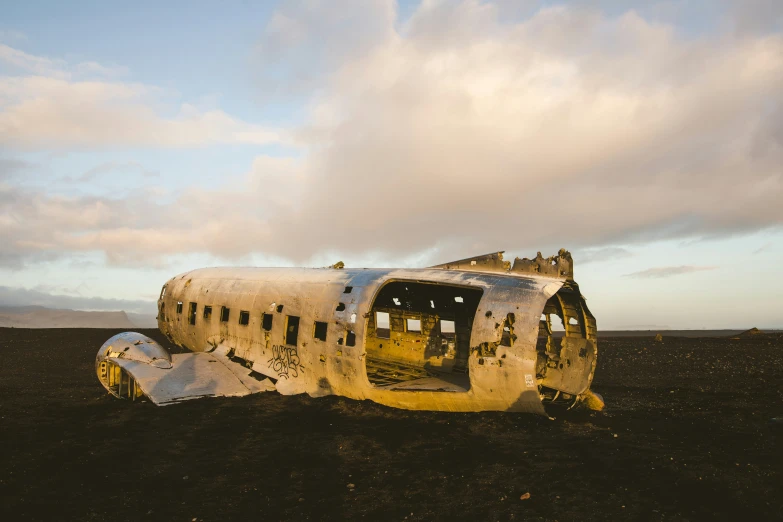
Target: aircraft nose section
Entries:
(135, 347)
(131, 365)
(128, 346)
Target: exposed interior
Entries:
(566, 347)
(119, 382)
(418, 336)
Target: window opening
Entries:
(350, 338)
(291, 329)
(266, 322)
(413, 325)
(447, 326)
(179, 307)
(382, 325)
(319, 330)
(224, 314)
(207, 312)
(244, 317)
(192, 313)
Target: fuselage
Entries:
(431, 339)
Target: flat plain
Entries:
(685, 435)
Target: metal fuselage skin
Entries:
(506, 376)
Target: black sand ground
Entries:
(684, 437)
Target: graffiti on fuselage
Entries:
(285, 361)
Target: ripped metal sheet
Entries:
(188, 376)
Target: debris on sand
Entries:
(525, 496)
(593, 400)
(659, 338)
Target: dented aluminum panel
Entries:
(126, 374)
(470, 335)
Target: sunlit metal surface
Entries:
(469, 335)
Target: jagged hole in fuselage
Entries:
(566, 348)
(418, 336)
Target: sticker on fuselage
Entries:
(529, 381)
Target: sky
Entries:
(141, 140)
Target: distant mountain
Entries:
(143, 320)
(41, 317)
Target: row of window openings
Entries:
(292, 323)
(383, 325)
(244, 317)
(397, 302)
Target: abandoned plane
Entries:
(469, 335)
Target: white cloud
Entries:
(61, 105)
(458, 133)
(114, 167)
(570, 127)
(668, 271)
(605, 254)
(54, 67)
(28, 62)
(305, 40)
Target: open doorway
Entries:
(418, 336)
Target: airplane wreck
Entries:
(469, 335)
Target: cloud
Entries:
(305, 41)
(61, 105)
(115, 167)
(454, 133)
(571, 127)
(11, 167)
(52, 67)
(668, 271)
(756, 16)
(762, 248)
(143, 228)
(15, 297)
(594, 255)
